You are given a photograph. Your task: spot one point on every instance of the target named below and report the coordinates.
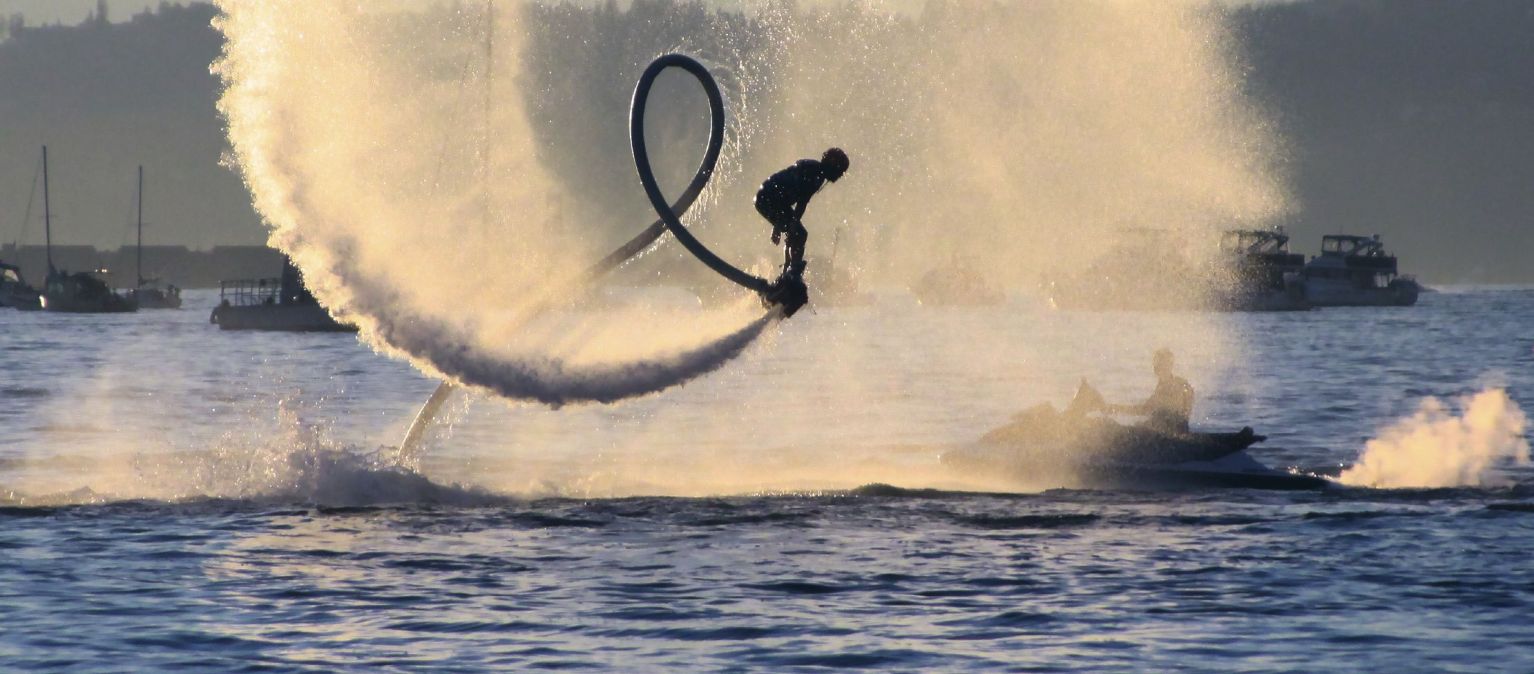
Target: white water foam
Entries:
(282, 459)
(1435, 447)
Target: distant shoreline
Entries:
(177, 265)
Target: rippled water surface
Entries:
(179, 498)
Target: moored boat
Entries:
(1263, 274)
(78, 292)
(957, 283)
(1144, 269)
(82, 293)
(1160, 270)
(150, 293)
(274, 304)
(14, 290)
(1356, 271)
(837, 285)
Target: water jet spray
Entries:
(782, 297)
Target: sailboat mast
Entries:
(139, 273)
(488, 105)
(47, 214)
(836, 240)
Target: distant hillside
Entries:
(171, 264)
(1410, 118)
(106, 97)
(1413, 119)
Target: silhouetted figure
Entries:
(1170, 405)
(784, 196)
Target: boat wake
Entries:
(297, 464)
(1437, 448)
(334, 478)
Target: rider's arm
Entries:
(1175, 395)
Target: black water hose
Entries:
(668, 215)
(700, 179)
(649, 235)
(670, 218)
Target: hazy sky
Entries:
(1409, 118)
(71, 12)
(74, 11)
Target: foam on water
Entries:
(286, 460)
(1436, 447)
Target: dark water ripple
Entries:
(1098, 582)
(877, 578)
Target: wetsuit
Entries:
(782, 200)
(1170, 405)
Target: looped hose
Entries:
(700, 178)
(670, 218)
(667, 214)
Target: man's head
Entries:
(1162, 362)
(835, 163)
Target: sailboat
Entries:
(80, 292)
(148, 293)
(15, 292)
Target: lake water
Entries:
(176, 497)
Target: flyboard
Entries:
(782, 297)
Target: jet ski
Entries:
(1045, 448)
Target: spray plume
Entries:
(391, 313)
(1437, 448)
(432, 167)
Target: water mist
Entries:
(432, 167)
(1437, 448)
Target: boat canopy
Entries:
(1353, 246)
(1255, 241)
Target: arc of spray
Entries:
(669, 214)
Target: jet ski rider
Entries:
(784, 196)
(1170, 406)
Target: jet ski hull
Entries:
(1235, 471)
(1042, 451)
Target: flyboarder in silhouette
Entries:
(784, 196)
